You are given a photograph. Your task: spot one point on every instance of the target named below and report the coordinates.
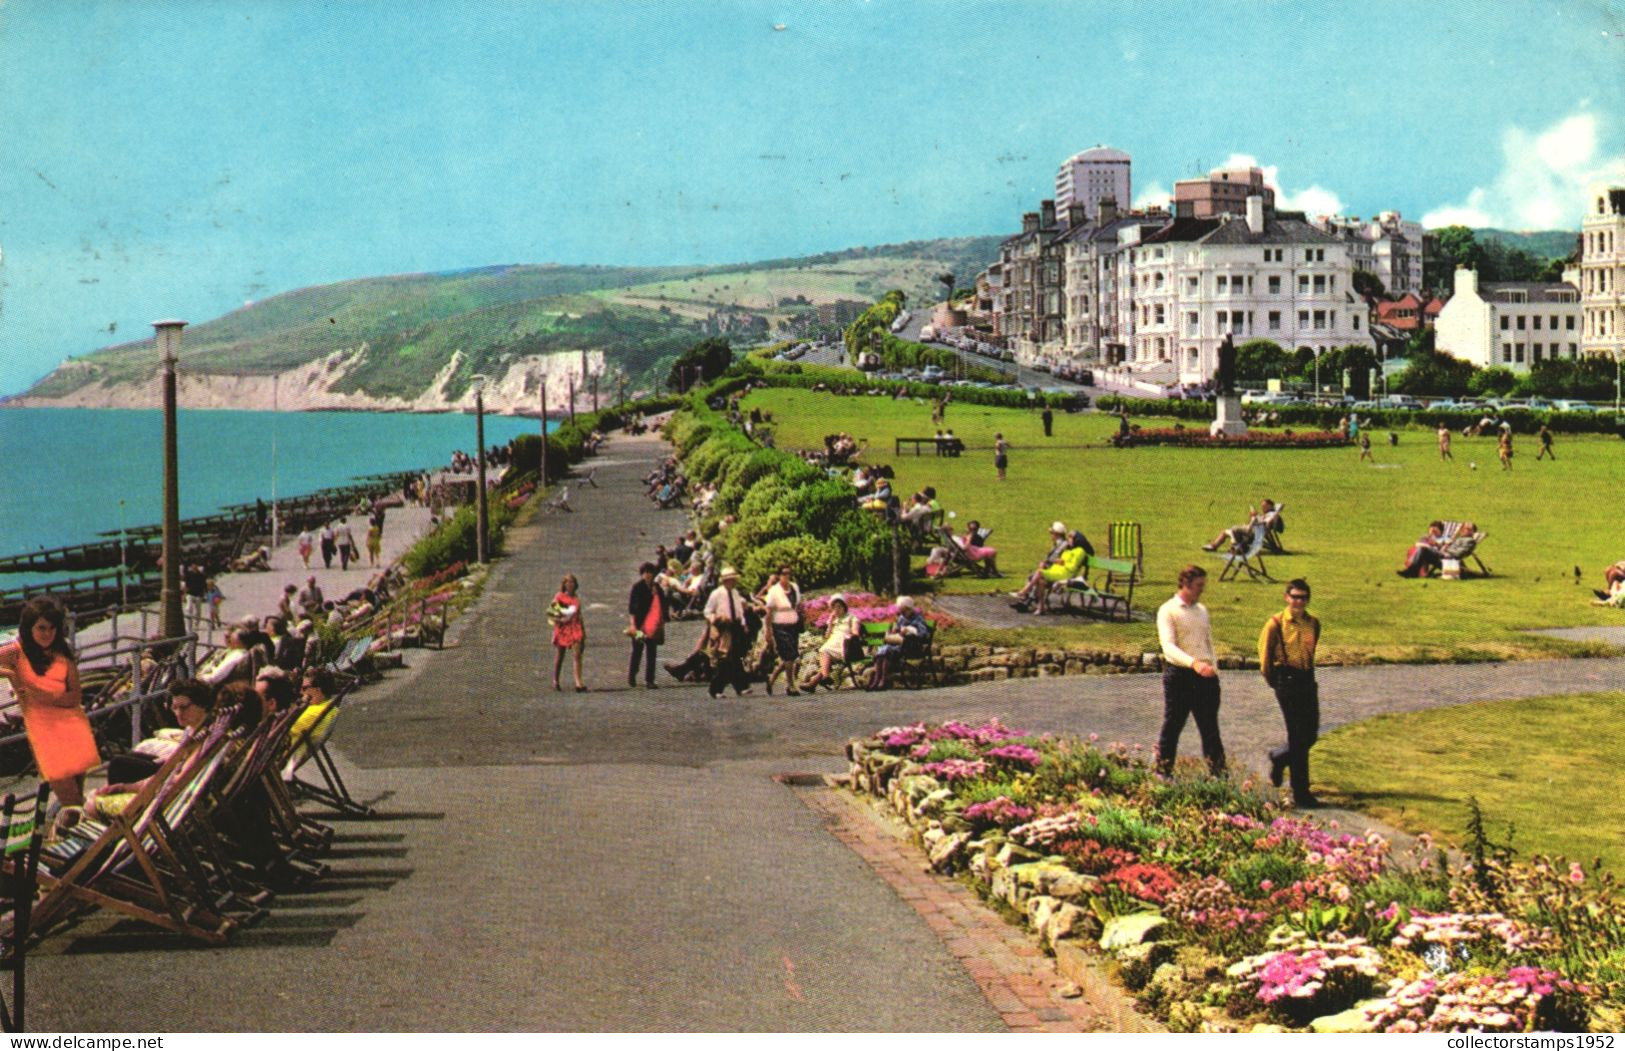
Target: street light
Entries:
(482, 526)
(171, 623)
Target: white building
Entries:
(1087, 177)
(1267, 276)
(1095, 296)
(1602, 272)
(1397, 245)
(1353, 233)
(1512, 324)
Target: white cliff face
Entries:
(309, 387)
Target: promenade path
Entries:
(623, 859)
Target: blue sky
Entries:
(181, 158)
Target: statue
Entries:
(1224, 380)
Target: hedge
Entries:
(1522, 419)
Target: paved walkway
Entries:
(624, 860)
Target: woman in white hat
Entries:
(842, 636)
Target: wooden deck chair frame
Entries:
(1125, 541)
(958, 560)
(922, 668)
(96, 875)
(332, 791)
(1104, 600)
(1272, 535)
(1248, 556)
(21, 836)
(1450, 529)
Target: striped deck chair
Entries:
(22, 834)
(128, 864)
(1461, 548)
(1123, 543)
(310, 749)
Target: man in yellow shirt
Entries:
(1286, 656)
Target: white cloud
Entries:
(1313, 200)
(1542, 182)
(1155, 195)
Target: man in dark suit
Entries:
(647, 612)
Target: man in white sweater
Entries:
(1190, 673)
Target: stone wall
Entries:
(983, 662)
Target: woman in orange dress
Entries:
(569, 634)
(45, 680)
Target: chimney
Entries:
(1255, 214)
(1466, 281)
(1047, 210)
(1107, 210)
(1029, 222)
(1075, 215)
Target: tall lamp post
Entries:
(482, 526)
(171, 622)
(543, 468)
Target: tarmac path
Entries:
(623, 859)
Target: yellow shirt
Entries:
(1288, 639)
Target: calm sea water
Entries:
(68, 474)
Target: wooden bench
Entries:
(1104, 599)
(944, 446)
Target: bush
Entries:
(865, 546)
(816, 562)
(820, 505)
(767, 494)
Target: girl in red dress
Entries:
(45, 680)
(568, 631)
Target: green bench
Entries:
(1103, 598)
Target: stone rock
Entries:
(1072, 886)
(1016, 854)
(1137, 963)
(979, 867)
(1039, 908)
(1070, 991)
(1005, 888)
(1351, 1021)
(1050, 671)
(1122, 931)
(1265, 1027)
(1064, 921)
(947, 848)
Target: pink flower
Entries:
(1577, 875)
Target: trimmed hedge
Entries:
(1522, 420)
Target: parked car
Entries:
(1570, 405)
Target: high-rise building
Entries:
(1223, 192)
(1087, 177)
(1602, 271)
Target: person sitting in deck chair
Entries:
(1424, 559)
(1241, 534)
(969, 545)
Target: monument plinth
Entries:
(1228, 404)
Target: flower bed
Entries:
(1223, 913)
(1251, 440)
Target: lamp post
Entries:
(171, 622)
(1316, 398)
(543, 481)
(1617, 360)
(276, 534)
(482, 526)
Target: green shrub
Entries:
(820, 505)
(766, 495)
(753, 531)
(865, 546)
(816, 562)
(1247, 875)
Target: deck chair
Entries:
(958, 561)
(590, 478)
(1462, 548)
(1272, 531)
(22, 834)
(310, 749)
(1103, 599)
(1247, 555)
(1123, 542)
(129, 864)
(561, 502)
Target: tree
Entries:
(1368, 284)
(1260, 359)
(704, 361)
(1433, 373)
(1552, 272)
(1493, 382)
(1455, 247)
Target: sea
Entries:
(67, 475)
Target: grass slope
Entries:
(1348, 524)
(1550, 766)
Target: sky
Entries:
(163, 158)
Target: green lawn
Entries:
(1348, 524)
(1550, 766)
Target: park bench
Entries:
(1103, 598)
(943, 446)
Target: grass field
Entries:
(1348, 524)
(1550, 766)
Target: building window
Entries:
(1275, 286)
(1570, 325)
(1191, 283)
(1356, 322)
(1534, 352)
(1554, 322)
(1224, 283)
(1275, 321)
(1303, 319)
(1222, 319)
(1303, 284)
(1574, 350)
(1506, 353)
(1320, 282)
(1160, 317)
(1308, 255)
(1193, 321)
(1521, 320)
(1506, 323)
(1320, 319)
(1517, 353)
(1537, 322)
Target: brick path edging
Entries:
(1030, 992)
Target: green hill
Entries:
(1542, 244)
(410, 325)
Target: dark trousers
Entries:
(1299, 697)
(329, 549)
(644, 650)
(730, 670)
(1186, 694)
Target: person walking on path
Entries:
(375, 543)
(569, 633)
(783, 601)
(1503, 447)
(45, 680)
(1444, 442)
(1286, 658)
(306, 542)
(195, 583)
(346, 542)
(329, 548)
(1545, 436)
(646, 612)
(1190, 673)
(1049, 422)
(725, 612)
(1001, 454)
